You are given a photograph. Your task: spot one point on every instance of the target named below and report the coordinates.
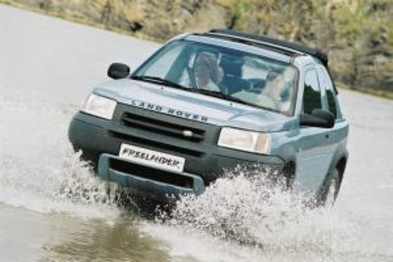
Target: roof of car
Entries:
(282, 46)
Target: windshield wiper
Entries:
(230, 98)
(166, 82)
(221, 95)
(159, 80)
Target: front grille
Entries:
(151, 173)
(163, 127)
(164, 133)
(144, 142)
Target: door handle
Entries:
(327, 136)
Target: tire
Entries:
(330, 189)
(289, 174)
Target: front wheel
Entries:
(330, 189)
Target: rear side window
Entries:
(312, 92)
(327, 84)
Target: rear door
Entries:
(315, 148)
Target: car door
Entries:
(339, 133)
(315, 145)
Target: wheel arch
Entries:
(341, 165)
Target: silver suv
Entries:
(206, 103)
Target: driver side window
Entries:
(312, 92)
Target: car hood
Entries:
(193, 106)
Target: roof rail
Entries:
(276, 43)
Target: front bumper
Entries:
(155, 189)
(100, 141)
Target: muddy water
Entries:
(53, 209)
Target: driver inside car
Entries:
(207, 72)
(278, 89)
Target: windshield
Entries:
(235, 75)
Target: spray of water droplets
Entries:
(38, 168)
(254, 212)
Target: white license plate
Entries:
(152, 158)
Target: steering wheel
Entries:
(256, 85)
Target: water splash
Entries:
(38, 168)
(249, 213)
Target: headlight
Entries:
(245, 140)
(99, 106)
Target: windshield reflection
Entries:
(239, 76)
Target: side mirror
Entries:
(118, 71)
(318, 118)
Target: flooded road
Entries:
(48, 66)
